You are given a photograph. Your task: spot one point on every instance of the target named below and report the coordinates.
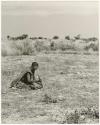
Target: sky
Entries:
(49, 18)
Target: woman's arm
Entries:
(39, 81)
(30, 81)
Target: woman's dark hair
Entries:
(34, 64)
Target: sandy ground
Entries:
(71, 79)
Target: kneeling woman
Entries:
(27, 79)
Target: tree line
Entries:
(67, 37)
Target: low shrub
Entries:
(20, 47)
(48, 99)
(93, 46)
(29, 46)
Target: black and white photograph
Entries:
(50, 62)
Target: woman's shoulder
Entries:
(25, 71)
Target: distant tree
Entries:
(40, 37)
(31, 38)
(8, 37)
(35, 37)
(52, 45)
(56, 37)
(85, 39)
(67, 37)
(77, 37)
(92, 39)
(24, 36)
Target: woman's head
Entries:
(34, 65)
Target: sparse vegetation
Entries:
(92, 39)
(79, 78)
(23, 45)
(70, 93)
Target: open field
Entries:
(71, 81)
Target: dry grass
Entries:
(70, 93)
(29, 47)
(20, 47)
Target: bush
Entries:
(20, 47)
(29, 46)
(38, 46)
(52, 46)
(77, 37)
(56, 37)
(92, 39)
(40, 37)
(8, 50)
(93, 46)
(65, 45)
(25, 47)
(48, 99)
(74, 116)
(67, 37)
